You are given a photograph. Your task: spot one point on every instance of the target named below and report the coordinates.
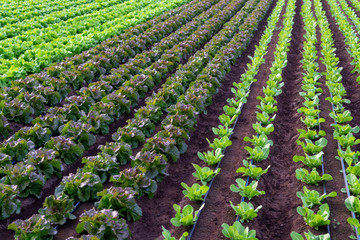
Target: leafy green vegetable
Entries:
(315, 220)
(57, 210)
(102, 165)
(353, 204)
(311, 178)
(153, 164)
(167, 235)
(36, 227)
(204, 174)
(251, 170)
(311, 198)
(45, 161)
(137, 180)
(122, 200)
(249, 191)
(211, 157)
(309, 236)
(312, 161)
(8, 202)
(104, 224)
(238, 231)
(81, 186)
(68, 151)
(195, 192)
(245, 211)
(184, 217)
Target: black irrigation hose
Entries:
(217, 167)
(344, 174)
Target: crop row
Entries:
(343, 132)
(21, 56)
(312, 138)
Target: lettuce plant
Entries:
(238, 231)
(347, 140)
(269, 108)
(354, 184)
(245, 211)
(312, 122)
(341, 118)
(195, 192)
(122, 200)
(35, 227)
(258, 154)
(99, 122)
(251, 170)
(311, 198)
(311, 161)
(8, 202)
(167, 235)
(355, 169)
(311, 147)
(315, 220)
(163, 145)
(264, 118)
(121, 150)
(57, 210)
(349, 156)
(24, 176)
(68, 151)
(344, 129)
(353, 204)
(50, 121)
(135, 179)
(249, 191)
(176, 133)
(184, 217)
(222, 131)
(204, 174)
(309, 236)
(104, 224)
(17, 110)
(259, 141)
(311, 134)
(17, 149)
(311, 178)
(36, 134)
(45, 161)
(144, 124)
(259, 129)
(101, 165)
(79, 132)
(153, 164)
(130, 135)
(221, 143)
(81, 186)
(5, 127)
(211, 157)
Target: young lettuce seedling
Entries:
(312, 161)
(311, 178)
(195, 192)
(312, 198)
(204, 174)
(167, 235)
(210, 157)
(315, 220)
(245, 211)
(251, 170)
(249, 191)
(186, 217)
(238, 231)
(353, 204)
(309, 236)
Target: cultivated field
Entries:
(202, 119)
